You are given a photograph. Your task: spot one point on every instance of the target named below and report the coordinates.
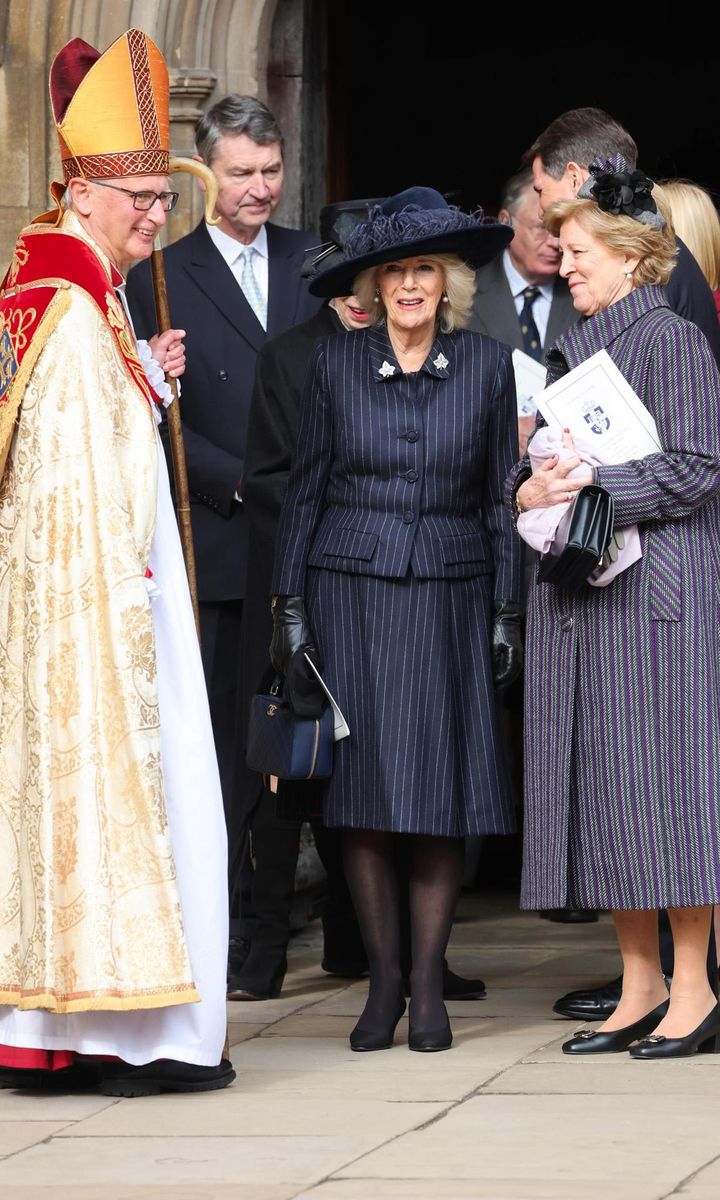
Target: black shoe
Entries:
(427, 1041)
(570, 916)
(247, 985)
(594, 1004)
(238, 950)
(703, 1040)
(363, 1038)
(456, 987)
(80, 1077)
(167, 1075)
(343, 948)
(345, 968)
(591, 1004)
(589, 1041)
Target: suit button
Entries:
(413, 435)
(408, 517)
(411, 476)
(222, 375)
(566, 624)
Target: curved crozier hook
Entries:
(192, 167)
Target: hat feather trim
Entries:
(408, 225)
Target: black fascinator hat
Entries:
(414, 222)
(622, 191)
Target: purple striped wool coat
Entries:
(623, 683)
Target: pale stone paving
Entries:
(502, 1116)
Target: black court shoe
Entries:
(427, 1041)
(363, 1038)
(703, 1040)
(590, 1041)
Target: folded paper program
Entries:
(545, 529)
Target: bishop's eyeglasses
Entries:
(143, 200)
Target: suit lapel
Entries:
(494, 304)
(212, 275)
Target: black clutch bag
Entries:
(279, 743)
(589, 535)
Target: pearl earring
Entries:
(377, 296)
(445, 300)
(628, 274)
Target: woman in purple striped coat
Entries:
(623, 681)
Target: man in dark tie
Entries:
(520, 299)
(560, 160)
(232, 286)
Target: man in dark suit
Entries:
(521, 300)
(560, 159)
(231, 287)
(521, 282)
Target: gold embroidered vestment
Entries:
(90, 915)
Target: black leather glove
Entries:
(292, 639)
(507, 647)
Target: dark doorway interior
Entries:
(416, 96)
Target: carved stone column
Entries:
(190, 90)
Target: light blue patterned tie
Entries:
(249, 285)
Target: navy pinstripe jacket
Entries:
(396, 471)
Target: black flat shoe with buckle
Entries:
(703, 1040)
(614, 1041)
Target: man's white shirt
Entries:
(232, 251)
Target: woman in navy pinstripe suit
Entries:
(397, 559)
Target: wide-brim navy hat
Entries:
(414, 222)
(337, 222)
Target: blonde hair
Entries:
(459, 288)
(696, 221)
(655, 248)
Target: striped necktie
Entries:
(249, 285)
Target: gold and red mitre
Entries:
(112, 110)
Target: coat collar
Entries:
(384, 364)
(591, 334)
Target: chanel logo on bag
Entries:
(272, 710)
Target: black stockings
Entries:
(434, 874)
(370, 873)
(436, 870)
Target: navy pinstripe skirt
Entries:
(409, 664)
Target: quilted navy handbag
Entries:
(279, 743)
